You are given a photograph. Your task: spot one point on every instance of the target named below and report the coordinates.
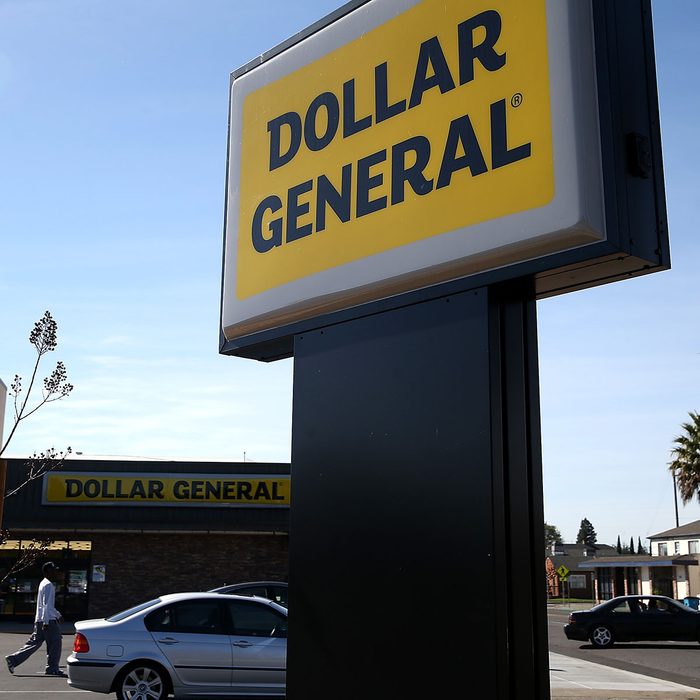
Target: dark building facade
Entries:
(128, 531)
(579, 581)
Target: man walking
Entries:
(46, 626)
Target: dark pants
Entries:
(52, 636)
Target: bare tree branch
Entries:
(55, 387)
(38, 464)
(44, 338)
(27, 556)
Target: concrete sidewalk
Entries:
(573, 678)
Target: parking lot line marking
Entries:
(568, 680)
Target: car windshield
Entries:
(132, 611)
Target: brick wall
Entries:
(143, 566)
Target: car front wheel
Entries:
(142, 682)
(602, 637)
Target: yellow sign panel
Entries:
(563, 572)
(107, 488)
(433, 121)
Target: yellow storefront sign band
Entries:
(156, 489)
(437, 120)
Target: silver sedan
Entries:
(184, 644)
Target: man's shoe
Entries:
(10, 665)
(59, 673)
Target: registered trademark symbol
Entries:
(517, 99)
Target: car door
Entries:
(259, 644)
(659, 622)
(673, 623)
(624, 620)
(193, 635)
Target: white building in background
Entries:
(680, 540)
(683, 541)
(671, 568)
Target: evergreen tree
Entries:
(586, 533)
(632, 545)
(619, 546)
(640, 548)
(551, 537)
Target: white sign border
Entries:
(574, 217)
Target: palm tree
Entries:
(685, 465)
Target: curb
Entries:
(620, 694)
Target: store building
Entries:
(127, 531)
(671, 568)
(644, 575)
(578, 582)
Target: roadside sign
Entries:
(404, 180)
(401, 145)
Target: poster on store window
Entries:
(99, 573)
(77, 581)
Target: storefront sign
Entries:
(407, 143)
(63, 488)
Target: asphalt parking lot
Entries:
(570, 678)
(29, 681)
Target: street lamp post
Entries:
(675, 497)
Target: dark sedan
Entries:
(634, 618)
(275, 591)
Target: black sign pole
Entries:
(416, 533)
(518, 457)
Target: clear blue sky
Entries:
(112, 155)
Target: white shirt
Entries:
(45, 603)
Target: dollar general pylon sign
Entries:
(404, 144)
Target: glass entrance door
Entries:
(19, 584)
